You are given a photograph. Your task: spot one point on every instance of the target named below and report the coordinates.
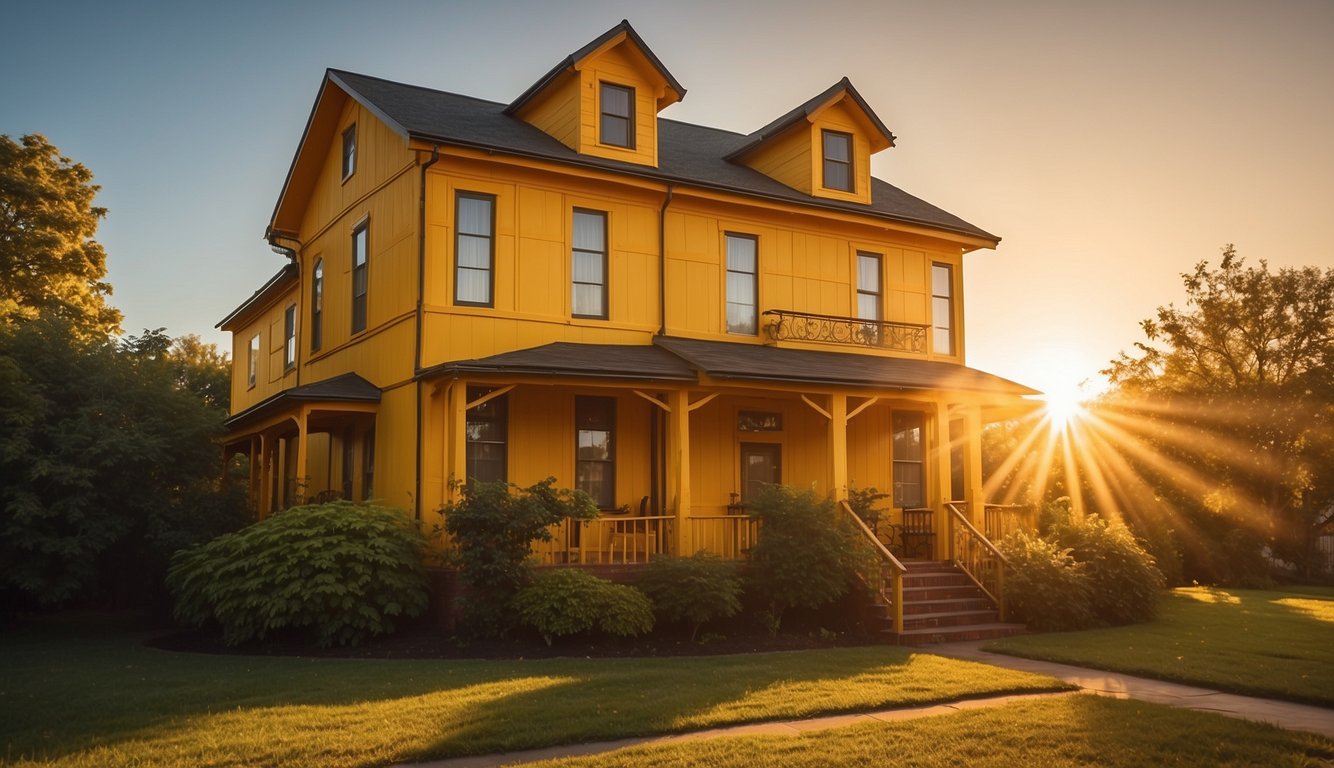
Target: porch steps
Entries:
(941, 605)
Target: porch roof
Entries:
(616, 361)
(756, 362)
(349, 387)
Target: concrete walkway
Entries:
(1299, 717)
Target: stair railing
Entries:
(891, 570)
(977, 557)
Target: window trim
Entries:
(825, 133)
(754, 277)
(289, 337)
(609, 403)
(606, 262)
(252, 362)
(949, 298)
(317, 306)
(629, 117)
(460, 194)
(349, 159)
(363, 227)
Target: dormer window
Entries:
(349, 151)
(617, 123)
(837, 161)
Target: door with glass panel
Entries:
(761, 464)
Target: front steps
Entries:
(941, 605)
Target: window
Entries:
(359, 283)
(742, 285)
(368, 465)
(907, 459)
(759, 421)
(474, 248)
(942, 309)
(488, 431)
(837, 160)
(595, 449)
(617, 124)
(317, 306)
(252, 362)
(868, 286)
(589, 265)
(289, 337)
(349, 151)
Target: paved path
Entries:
(1300, 717)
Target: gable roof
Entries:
(345, 388)
(810, 107)
(576, 59)
(687, 154)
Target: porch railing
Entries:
(999, 520)
(977, 557)
(805, 326)
(606, 540)
(728, 536)
(890, 588)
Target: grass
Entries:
(1053, 733)
(82, 691)
(1275, 644)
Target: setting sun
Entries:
(1063, 405)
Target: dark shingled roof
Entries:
(763, 363)
(348, 387)
(276, 284)
(687, 153)
(803, 110)
(562, 358)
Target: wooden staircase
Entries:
(940, 605)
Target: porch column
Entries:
(973, 480)
(678, 465)
(302, 473)
(838, 445)
(263, 496)
(940, 479)
(456, 448)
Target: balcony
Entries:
(785, 325)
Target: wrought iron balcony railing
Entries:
(785, 325)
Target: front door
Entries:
(761, 464)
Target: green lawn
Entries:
(83, 691)
(1053, 733)
(1278, 644)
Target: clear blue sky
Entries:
(1111, 145)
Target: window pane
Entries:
(836, 175)
(836, 146)
(474, 285)
(740, 254)
(615, 130)
(868, 306)
(359, 281)
(359, 247)
(940, 280)
(907, 436)
(942, 341)
(740, 318)
(940, 313)
(740, 289)
(474, 252)
(615, 101)
(587, 300)
(587, 267)
(589, 231)
(907, 485)
(474, 217)
(868, 273)
(594, 444)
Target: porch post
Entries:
(678, 465)
(838, 445)
(264, 488)
(973, 480)
(302, 473)
(941, 481)
(456, 449)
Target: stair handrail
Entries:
(887, 559)
(974, 570)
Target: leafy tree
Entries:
(201, 369)
(1234, 392)
(49, 261)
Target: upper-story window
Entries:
(360, 242)
(837, 160)
(252, 362)
(742, 284)
(616, 125)
(942, 309)
(317, 306)
(595, 449)
(589, 265)
(349, 151)
(289, 337)
(869, 292)
(474, 248)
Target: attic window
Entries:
(349, 151)
(617, 124)
(837, 161)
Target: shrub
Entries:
(1125, 582)
(567, 601)
(805, 557)
(340, 571)
(693, 590)
(494, 526)
(863, 502)
(1044, 587)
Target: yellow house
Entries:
(662, 314)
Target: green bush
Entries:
(805, 557)
(340, 571)
(1044, 587)
(693, 590)
(493, 526)
(567, 601)
(1125, 582)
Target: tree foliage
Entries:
(49, 262)
(1234, 392)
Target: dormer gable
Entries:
(603, 100)
(823, 147)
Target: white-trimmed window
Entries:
(588, 265)
(942, 309)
